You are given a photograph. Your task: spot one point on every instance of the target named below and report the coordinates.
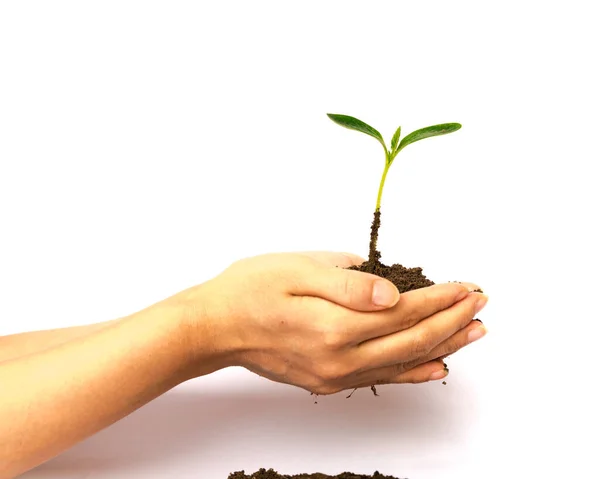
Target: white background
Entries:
(144, 146)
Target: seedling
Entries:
(405, 279)
(396, 146)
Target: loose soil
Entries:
(271, 474)
(405, 279)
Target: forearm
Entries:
(53, 399)
(22, 344)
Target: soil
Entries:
(271, 474)
(405, 279)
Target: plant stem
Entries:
(383, 176)
(374, 255)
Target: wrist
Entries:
(202, 331)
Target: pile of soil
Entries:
(271, 474)
(405, 279)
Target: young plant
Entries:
(396, 145)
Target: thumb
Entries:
(349, 288)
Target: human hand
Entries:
(305, 320)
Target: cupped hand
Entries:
(305, 320)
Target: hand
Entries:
(303, 319)
(293, 318)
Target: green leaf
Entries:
(395, 139)
(356, 124)
(435, 130)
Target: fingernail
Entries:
(442, 373)
(477, 319)
(385, 294)
(476, 334)
(481, 302)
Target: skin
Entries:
(295, 318)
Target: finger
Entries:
(352, 289)
(430, 371)
(332, 258)
(412, 307)
(470, 286)
(472, 332)
(419, 340)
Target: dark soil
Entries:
(271, 474)
(405, 279)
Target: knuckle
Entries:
(420, 344)
(333, 338)
(348, 287)
(407, 366)
(354, 287)
(440, 299)
(452, 345)
(410, 319)
(399, 369)
(411, 312)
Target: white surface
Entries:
(146, 145)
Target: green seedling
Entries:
(396, 146)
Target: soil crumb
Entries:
(271, 474)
